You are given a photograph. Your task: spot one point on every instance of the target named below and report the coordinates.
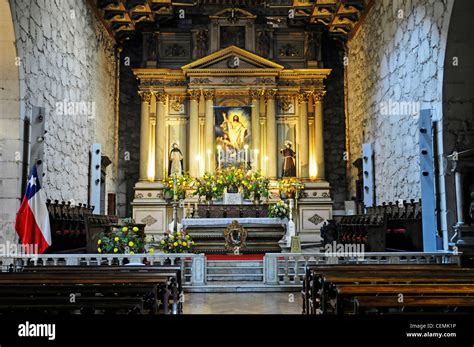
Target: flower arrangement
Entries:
(231, 178)
(183, 183)
(122, 240)
(290, 187)
(209, 186)
(177, 242)
(279, 210)
(255, 184)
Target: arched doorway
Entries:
(458, 114)
(11, 126)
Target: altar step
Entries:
(240, 287)
(234, 271)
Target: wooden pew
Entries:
(174, 277)
(403, 277)
(346, 292)
(161, 284)
(311, 283)
(364, 303)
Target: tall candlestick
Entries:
(255, 160)
(246, 147)
(198, 158)
(209, 159)
(175, 190)
(219, 148)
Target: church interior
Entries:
(276, 157)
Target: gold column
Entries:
(318, 96)
(194, 96)
(209, 131)
(144, 134)
(255, 104)
(271, 166)
(303, 135)
(160, 135)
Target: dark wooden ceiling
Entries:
(123, 18)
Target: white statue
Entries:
(176, 161)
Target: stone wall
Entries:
(66, 56)
(334, 122)
(394, 62)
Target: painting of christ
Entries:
(233, 132)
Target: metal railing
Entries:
(289, 268)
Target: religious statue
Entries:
(234, 131)
(202, 45)
(264, 43)
(310, 46)
(151, 46)
(289, 155)
(175, 161)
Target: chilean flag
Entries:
(32, 219)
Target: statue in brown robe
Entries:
(289, 155)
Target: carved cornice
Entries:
(145, 96)
(160, 96)
(209, 94)
(255, 94)
(194, 94)
(303, 97)
(318, 95)
(270, 94)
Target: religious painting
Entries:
(233, 135)
(232, 35)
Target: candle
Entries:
(246, 147)
(266, 165)
(255, 160)
(175, 190)
(198, 158)
(219, 148)
(209, 159)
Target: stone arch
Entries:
(458, 97)
(11, 125)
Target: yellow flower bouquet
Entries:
(122, 240)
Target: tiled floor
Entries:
(242, 303)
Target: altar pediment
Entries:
(231, 58)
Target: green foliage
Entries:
(256, 185)
(177, 242)
(183, 183)
(291, 187)
(121, 240)
(279, 210)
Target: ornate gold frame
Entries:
(235, 226)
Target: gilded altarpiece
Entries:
(280, 105)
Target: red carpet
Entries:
(234, 257)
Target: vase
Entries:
(232, 190)
(168, 195)
(208, 199)
(256, 199)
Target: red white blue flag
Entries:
(32, 219)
